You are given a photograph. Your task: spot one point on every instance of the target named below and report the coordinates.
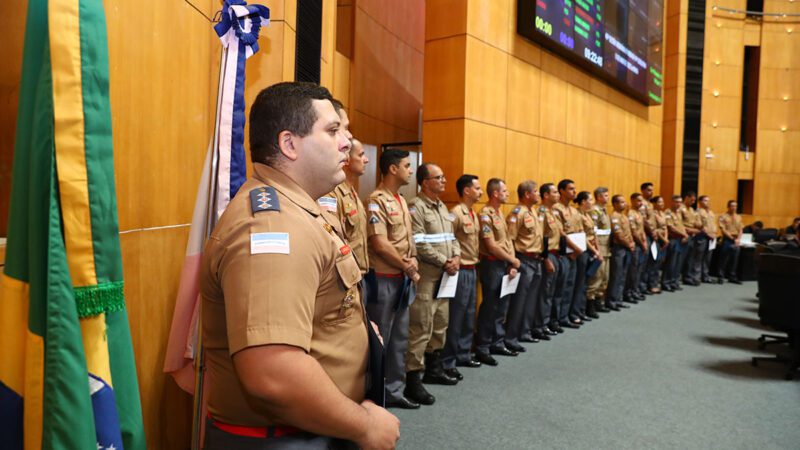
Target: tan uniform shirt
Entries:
(731, 225)
(354, 222)
(636, 220)
(526, 230)
(674, 220)
(689, 217)
(708, 222)
(570, 218)
(648, 215)
(432, 224)
(389, 216)
(660, 225)
(588, 227)
(553, 230)
(494, 227)
(274, 271)
(466, 231)
(602, 225)
(621, 228)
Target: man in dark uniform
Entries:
(287, 353)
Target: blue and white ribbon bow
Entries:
(238, 31)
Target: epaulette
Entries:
(264, 198)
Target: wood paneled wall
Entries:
(674, 95)
(497, 105)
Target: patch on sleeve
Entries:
(485, 218)
(486, 229)
(374, 219)
(451, 217)
(616, 227)
(513, 219)
(264, 199)
(327, 203)
(374, 207)
(412, 210)
(269, 243)
(614, 220)
(516, 210)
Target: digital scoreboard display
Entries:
(619, 41)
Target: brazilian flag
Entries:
(67, 373)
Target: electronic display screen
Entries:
(617, 40)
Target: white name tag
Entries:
(269, 243)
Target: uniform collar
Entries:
(286, 186)
(428, 200)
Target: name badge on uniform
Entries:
(374, 207)
(451, 217)
(327, 203)
(269, 243)
(412, 210)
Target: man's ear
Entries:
(287, 142)
(393, 169)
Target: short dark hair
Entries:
(582, 197)
(463, 182)
(635, 194)
(731, 201)
(493, 185)
(655, 199)
(391, 157)
(545, 188)
(700, 199)
(525, 187)
(617, 198)
(600, 191)
(282, 107)
(646, 185)
(337, 105)
(423, 172)
(564, 183)
(759, 224)
(689, 194)
(676, 197)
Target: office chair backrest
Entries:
(765, 235)
(779, 291)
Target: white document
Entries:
(747, 240)
(578, 239)
(712, 244)
(509, 286)
(654, 250)
(447, 287)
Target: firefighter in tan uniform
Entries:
(678, 246)
(497, 260)
(708, 230)
(661, 238)
(393, 269)
(276, 338)
(438, 253)
(648, 215)
(598, 283)
(622, 252)
(545, 322)
(633, 293)
(461, 325)
(691, 221)
(593, 258)
(570, 258)
(730, 225)
(526, 231)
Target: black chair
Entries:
(767, 234)
(779, 305)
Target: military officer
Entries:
(678, 245)
(691, 222)
(661, 238)
(648, 212)
(598, 284)
(526, 231)
(288, 358)
(730, 225)
(622, 252)
(571, 222)
(586, 206)
(460, 329)
(708, 227)
(393, 269)
(545, 322)
(438, 253)
(636, 220)
(497, 259)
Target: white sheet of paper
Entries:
(509, 286)
(712, 244)
(654, 250)
(747, 240)
(578, 239)
(447, 288)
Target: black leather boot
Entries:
(434, 372)
(590, 311)
(415, 391)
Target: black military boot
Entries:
(590, 310)
(415, 391)
(434, 372)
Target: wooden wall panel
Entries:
(484, 150)
(524, 105)
(456, 13)
(553, 115)
(522, 160)
(485, 90)
(443, 144)
(487, 20)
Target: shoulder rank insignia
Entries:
(516, 210)
(264, 199)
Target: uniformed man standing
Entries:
(661, 239)
(678, 246)
(571, 222)
(640, 253)
(497, 260)
(460, 329)
(545, 321)
(691, 222)
(622, 252)
(730, 225)
(526, 230)
(708, 228)
(648, 214)
(287, 349)
(438, 253)
(598, 284)
(591, 257)
(393, 268)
